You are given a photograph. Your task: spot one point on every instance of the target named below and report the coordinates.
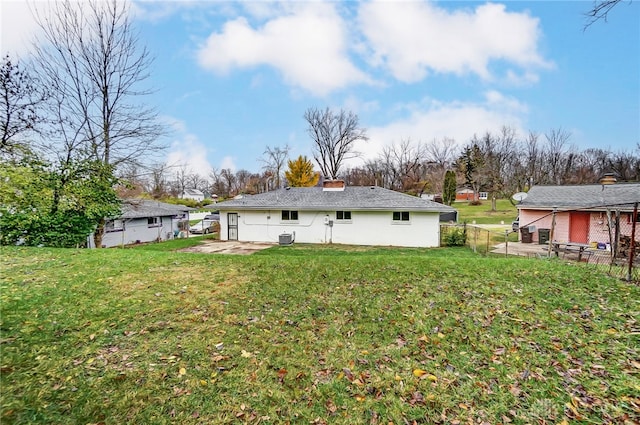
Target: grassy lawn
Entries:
(309, 334)
(482, 214)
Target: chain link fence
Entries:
(605, 237)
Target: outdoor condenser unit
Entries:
(286, 239)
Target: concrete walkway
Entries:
(522, 249)
(228, 247)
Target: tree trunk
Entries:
(98, 234)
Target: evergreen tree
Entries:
(449, 187)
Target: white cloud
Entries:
(18, 27)
(456, 120)
(228, 162)
(412, 39)
(186, 149)
(307, 45)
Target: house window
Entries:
(630, 218)
(483, 196)
(401, 216)
(114, 225)
(154, 222)
(343, 215)
(289, 215)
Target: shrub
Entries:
(455, 237)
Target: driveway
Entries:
(228, 247)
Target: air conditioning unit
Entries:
(286, 239)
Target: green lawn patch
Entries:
(482, 213)
(313, 334)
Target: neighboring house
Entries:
(469, 195)
(581, 211)
(194, 194)
(143, 220)
(333, 213)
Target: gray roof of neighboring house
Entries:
(140, 208)
(622, 195)
(193, 192)
(353, 198)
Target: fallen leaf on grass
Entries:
(182, 371)
(246, 354)
(331, 407)
(423, 374)
(419, 372)
(281, 374)
(218, 358)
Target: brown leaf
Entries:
(515, 390)
(331, 407)
(281, 374)
(218, 358)
(348, 374)
(416, 398)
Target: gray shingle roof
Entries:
(622, 195)
(139, 208)
(353, 198)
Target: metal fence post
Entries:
(552, 231)
(506, 243)
(632, 245)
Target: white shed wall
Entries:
(364, 228)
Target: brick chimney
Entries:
(333, 185)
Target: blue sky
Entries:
(232, 78)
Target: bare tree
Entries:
(334, 136)
(158, 182)
(180, 180)
(625, 166)
(440, 157)
(90, 59)
(21, 100)
(274, 160)
(555, 153)
(242, 180)
(196, 181)
(229, 182)
(217, 183)
(442, 152)
(402, 164)
(600, 10)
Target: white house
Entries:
(142, 220)
(334, 213)
(194, 194)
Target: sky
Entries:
(233, 78)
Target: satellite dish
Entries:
(520, 196)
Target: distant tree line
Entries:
(500, 163)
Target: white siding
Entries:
(138, 230)
(364, 228)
